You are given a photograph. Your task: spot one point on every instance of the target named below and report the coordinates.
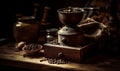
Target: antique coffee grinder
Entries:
(70, 34)
(71, 43)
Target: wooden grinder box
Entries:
(74, 54)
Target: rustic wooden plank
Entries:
(8, 56)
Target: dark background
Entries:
(9, 9)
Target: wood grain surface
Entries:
(10, 57)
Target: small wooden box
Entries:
(74, 54)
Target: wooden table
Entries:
(10, 57)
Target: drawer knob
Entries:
(61, 55)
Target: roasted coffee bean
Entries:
(50, 61)
(24, 55)
(44, 59)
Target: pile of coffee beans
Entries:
(31, 49)
(54, 61)
(32, 46)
